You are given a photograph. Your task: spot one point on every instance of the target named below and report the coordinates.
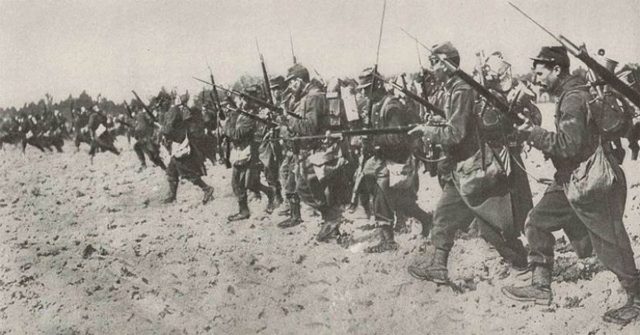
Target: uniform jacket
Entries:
(575, 138)
(313, 110)
(390, 112)
(459, 138)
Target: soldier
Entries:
(242, 131)
(317, 163)
(466, 195)
(210, 119)
(270, 152)
(56, 130)
(391, 173)
(596, 217)
(101, 137)
(30, 132)
(79, 127)
(185, 127)
(147, 137)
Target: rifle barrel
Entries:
(416, 97)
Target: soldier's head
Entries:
(252, 91)
(56, 113)
(278, 85)
(297, 78)
(95, 108)
(443, 52)
(366, 79)
(549, 67)
(83, 110)
(497, 73)
(184, 99)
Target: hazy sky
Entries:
(113, 46)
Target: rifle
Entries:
(268, 123)
(128, 109)
(353, 132)
(293, 55)
(484, 92)
(253, 99)
(146, 109)
(415, 97)
(581, 53)
(265, 76)
(375, 67)
(214, 95)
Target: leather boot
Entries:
(539, 291)
(206, 189)
(387, 243)
(294, 218)
(243, 212)
(436, 271)
(171, 195)
(278, 200)
(271, 195)
(330, 226)
(629, 312)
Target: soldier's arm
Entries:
(394, 119)
(245, 127)
(314, 106)
(571, 133)
(456, 126)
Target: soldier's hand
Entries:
(435, 119)
(524, 130)
(419, 129)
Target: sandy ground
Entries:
(89, 249)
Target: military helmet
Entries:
(297, 71)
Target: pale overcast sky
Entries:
(113, 46)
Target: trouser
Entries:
(586, 229)
(453, 214)
(288, 175)
(209, 147)
(33, 142)
(246, 177)
(311, 190)
(104, 142)
(149, 148)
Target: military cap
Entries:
(556, 55)
(277, 82)
(365, 79)
(297, 71)
(447, 50)
(253, 90)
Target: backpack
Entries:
(612, 114)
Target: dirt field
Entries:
(89, 249)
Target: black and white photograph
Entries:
(446, 167)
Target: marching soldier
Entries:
(270, 152)
(147, 136)
(242, 130)
(101, 138)
(466, 197)
(317, 163)
(594, 217)
(391, 173)
(184, 126)
(210, 126)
